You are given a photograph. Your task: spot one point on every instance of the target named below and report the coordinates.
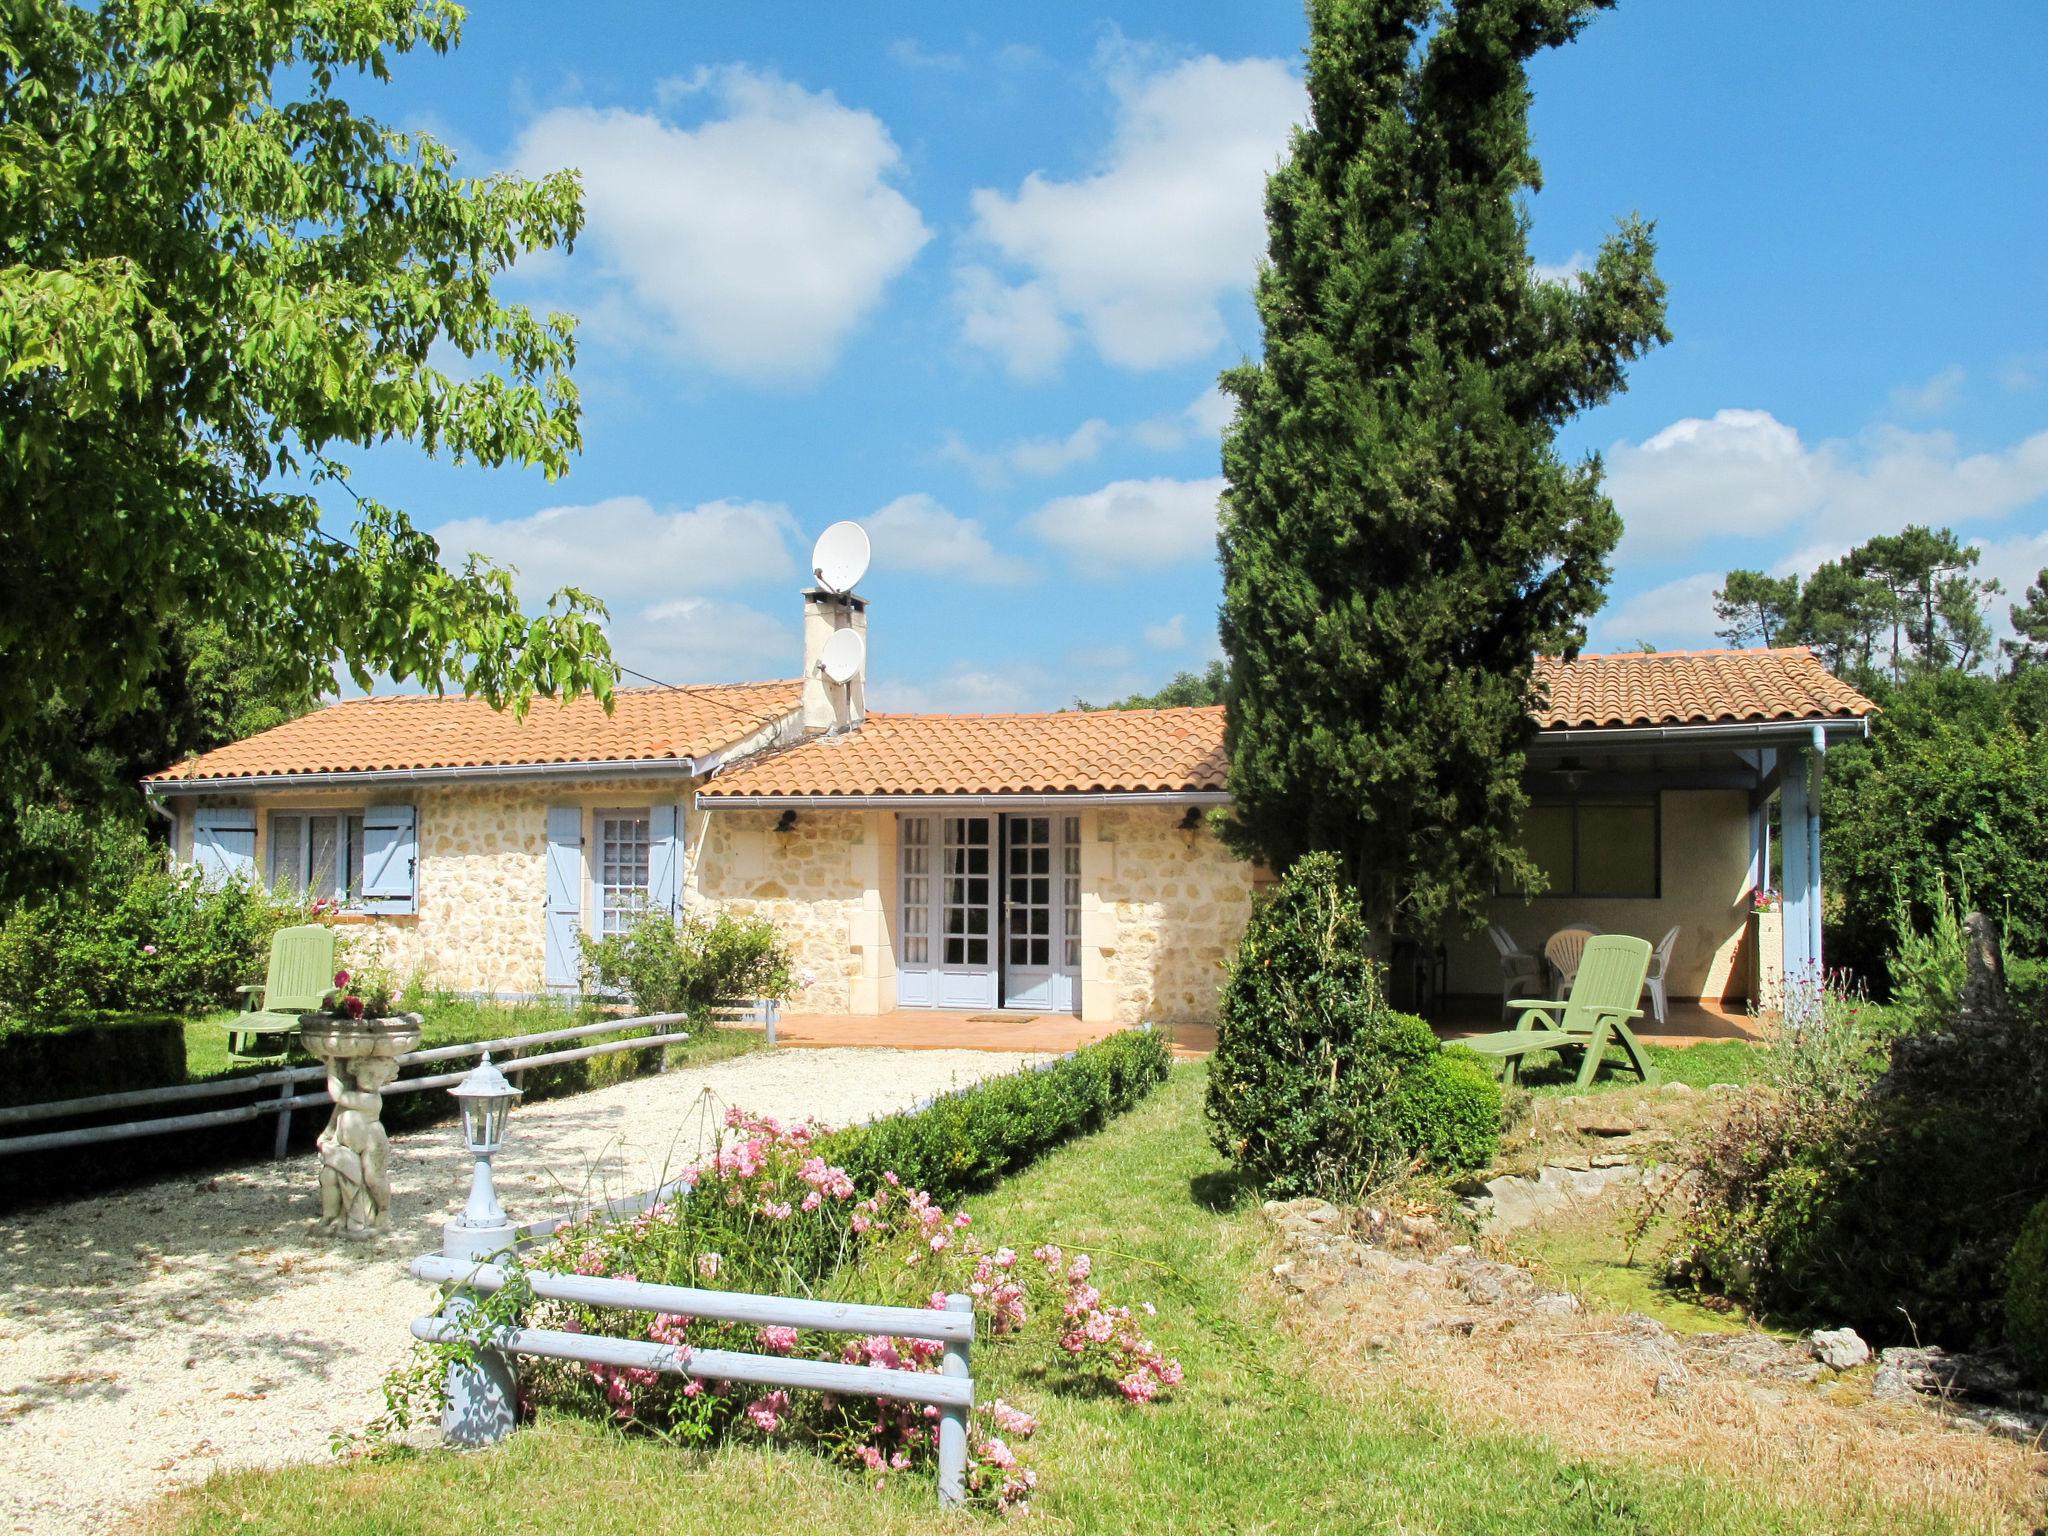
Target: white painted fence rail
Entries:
(286, 1078)
(480, 1397)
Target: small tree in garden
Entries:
(1316, 1086)
(1400, 538)
(688, 963)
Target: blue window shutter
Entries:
(224, 843)
(562, 966)
(391, 859)
(665, 858)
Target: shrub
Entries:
(1316, 1085)
(687, 963)
(138, 934)
(2026, 1296)
(967, 1140)
(1927, 968)
(109, 1053)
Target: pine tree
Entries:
(2029, 645)
(1400, 538)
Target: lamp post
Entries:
(482, 1229)
(483, 1391)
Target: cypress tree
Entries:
(1400, 537)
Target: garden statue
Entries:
(361, 1047)
(355, 1152)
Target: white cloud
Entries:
(1563, 271)
(1677, 616)
(1038, 456)
(2015, 563)
(1931, 398)
(706, 640)
(1205, 416)
(1169, 636)
(1132, 524)
(1019, 323)
(912, 54)
(917, 533)
(625, 550)
(966, 689)
(1101, 658)
(752, 243)
(1745, 473)
(1140, 254)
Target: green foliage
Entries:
(1951, 786)
(219, 284)
(1756, 609)
(1927, 968)
(2029, 644)
(138, 934)
(965, 1141)
(108, 1053)
(1187, 688)
(1400, 538)
(1316, 1085)
(2026, 1296)
(685, 964)
(1889, 1202)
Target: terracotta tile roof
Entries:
(1135, 750)
(1693, 688)
(410, 731)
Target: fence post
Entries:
(284, 1123)
(953, 1421)
(774, 1007)
(483, 1393)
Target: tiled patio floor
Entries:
(916, 1029)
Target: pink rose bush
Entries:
(768, 1213)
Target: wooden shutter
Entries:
(224, 843)
(390, 878)
(563, 964)
(665, 858)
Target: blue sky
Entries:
(968, 276)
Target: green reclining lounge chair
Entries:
(301, 976)
(1604, 994)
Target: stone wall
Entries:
(807, 881)
(1176, 901)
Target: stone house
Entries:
(1054, 863)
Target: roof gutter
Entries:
(635, 768)
(1756, 730)
(1000, 801)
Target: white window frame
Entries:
(346, 885)
(614, 905)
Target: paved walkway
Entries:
(151, 1336)
(923, 1029)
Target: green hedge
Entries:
(111, 1053)
(967, 1140)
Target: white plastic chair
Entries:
(1660, 963)
(1520, 972)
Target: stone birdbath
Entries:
(361, 1057)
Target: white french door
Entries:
(988, 912)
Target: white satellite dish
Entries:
(844, 654)
(840, 557)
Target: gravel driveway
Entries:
(151, 1337)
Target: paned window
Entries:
(1070, 893)
(966, 874)
(1594, 847)
(915, 845)
(317, 855)
(622, 847)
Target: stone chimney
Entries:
(830, 706)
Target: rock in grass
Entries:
(1839, 1349)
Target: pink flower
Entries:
(708, 1265)
(354, 1005)
(1012, 1421)
(149, 949)
(693, 1388)
(767, 1412)
(1081, 1267)
(812, 1201)
(779, 1341)
(1138, 1387)
(341, 978)
(1168, 1372)
(938, 1241)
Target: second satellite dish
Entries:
(841, 557)
(843, 654)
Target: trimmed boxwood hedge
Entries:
(968, 1140)
(109, 1053)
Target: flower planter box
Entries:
(1767, 960)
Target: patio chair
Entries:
(1520, 971)
(1653, 983)
(301, 975)
(1604, 993)
(1561, 953)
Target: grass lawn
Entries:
(1697, 1066)
(1265, 1435)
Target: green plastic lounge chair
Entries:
(301, 976)
(1605, 990)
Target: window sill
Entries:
(364, 919)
